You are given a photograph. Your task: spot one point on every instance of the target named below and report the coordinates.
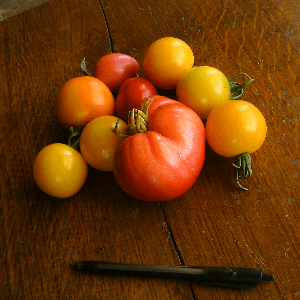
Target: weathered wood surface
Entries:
(214, 223)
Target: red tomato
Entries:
(164, 159)
(81, 100)
(114, 68)
(131, 95)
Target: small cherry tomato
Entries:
(98, 142)
(236, 128)
(114, 68)
(81, 100)
(203, 88)
(132, 94)
(166, 60)
(59, 170)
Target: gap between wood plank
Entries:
(176, 248)
(167, 224)
(107, 28)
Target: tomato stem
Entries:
(137, 121)
(243, 168)
(84, 69)
(237, 89)
(74, 137)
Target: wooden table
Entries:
(214, 223)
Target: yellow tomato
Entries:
(59, 170)
(203, 88)
(98, 143)
(166, 60)
(235, 127)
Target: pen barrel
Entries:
(242, 278)
(221, 274)
(161, 271)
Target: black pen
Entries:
(231, 277)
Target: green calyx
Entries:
(243, 168)
(74, 137)
(237, 89)
(84, 69)
(137, 121)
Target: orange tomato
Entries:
(81, 100)
(203, 88)
(98, 143)
(59, 170)
(235, 127)
(166, 60)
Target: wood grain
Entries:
(214, 223)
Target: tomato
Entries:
(81, 100)
(166, 60)
(132, 94)
(236, 128)
(98, 143)
(203, 88)
(59, 170)
(114, 68)
(165, 152)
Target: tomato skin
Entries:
(166, 60)
(202, 88)
(131, 95)
(165, 161)
(235, 127)
(59, 170)
(114, 68)
(98, 143)
(81, 100)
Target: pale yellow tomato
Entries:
(98, 143)
(203, 88)
(59, 170)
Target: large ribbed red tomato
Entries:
(164, 152)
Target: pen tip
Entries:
(77, 265)
(268, 276)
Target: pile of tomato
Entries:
(154, 145)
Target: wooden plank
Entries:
(215, 223)
(40, 50)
